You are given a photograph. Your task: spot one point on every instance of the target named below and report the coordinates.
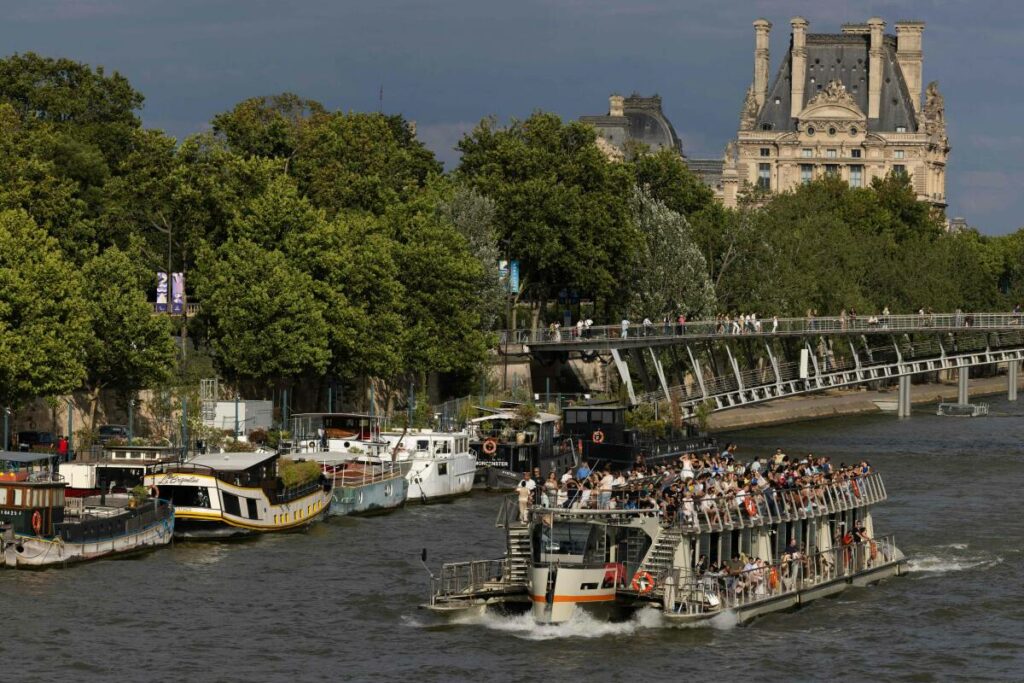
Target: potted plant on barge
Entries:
(138, 495)
(524, 414)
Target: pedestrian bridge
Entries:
(706, 363)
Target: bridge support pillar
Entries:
(1012, 379)
(623, 369)
(962, 376)
(660, 369)
(903, 397)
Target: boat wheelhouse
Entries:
(224, 495)
(614, 561)
(441, 466)
(40, 526)
(505, 447)
(118, 470)
(364, 477)
(601, 435)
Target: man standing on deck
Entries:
(607, 481)
(525, 493)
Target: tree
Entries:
(43, 318)
(351, 263)
(474, 217)
(671, 276)
(562, 209)
(128, 347)
(260, 316)
(666, 178)
(364, 162)
(266, 126)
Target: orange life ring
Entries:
(37, 522)
(856, 489)
(773, 578)
(598, 436)
(154, 491)
(847, 538)
(642, 582)
(490, 446)
(751, 506)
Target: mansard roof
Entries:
(843, 58)
(643, 121)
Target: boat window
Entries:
(186, 496)
(442, 468)
(423, 445)
(595, 417)
(231, 505)
(609, 417)
(17, 497)
(570, 417)
(442, 447)
(562, 539)
(251, 503)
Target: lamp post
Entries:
(131, 420)
(71, 429)
(7, 432)
(236, 414)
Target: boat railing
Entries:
(363, 473)
(719, 513)
(288, 494)
(130, 520)
(686, 591)
(466, 579)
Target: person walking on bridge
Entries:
(625, 328)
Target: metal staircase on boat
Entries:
(660, 559)
(517, 554)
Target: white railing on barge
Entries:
(467, 580)
(685, 592)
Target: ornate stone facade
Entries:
(633, 119)
(846, 104)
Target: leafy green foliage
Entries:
(43, 317)
(562, 208)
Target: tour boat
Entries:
(365, 479)
(612, 562)
(40, 527)
(505, 448)
(441, 466)
(224, 495)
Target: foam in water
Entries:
(952, 560)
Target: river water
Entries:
(340, 601)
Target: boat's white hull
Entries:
(557, 592)
(440, 477)
(33, 552)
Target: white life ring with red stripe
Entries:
(490, 446)
(598, 436)
(751, 506)
(154, 491)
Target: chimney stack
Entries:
(615, 104)
(799, 65)
(910, 57)
(877, 27)
(762, 30)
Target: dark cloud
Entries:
(447, 64)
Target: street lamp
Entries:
(131, 420)
(7, 432)
(71, 428)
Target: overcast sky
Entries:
(447, 63)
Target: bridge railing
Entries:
(766, 327)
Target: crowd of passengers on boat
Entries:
(710, 486)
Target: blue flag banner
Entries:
(177, 293)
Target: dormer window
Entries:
(901, 129)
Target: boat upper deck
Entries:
(728, 512)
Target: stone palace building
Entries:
(845, 104)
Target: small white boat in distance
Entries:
(441, 464)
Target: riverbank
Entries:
(837, 402)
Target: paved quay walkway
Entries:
(839, 402)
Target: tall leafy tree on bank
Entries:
(260, 316)
(44, 322)
(665, 177)
(562, 209)
(128, 347)
(671, 275)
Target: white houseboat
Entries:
(40, 527)
(224, 495)
(614, 561)
(441, 466)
